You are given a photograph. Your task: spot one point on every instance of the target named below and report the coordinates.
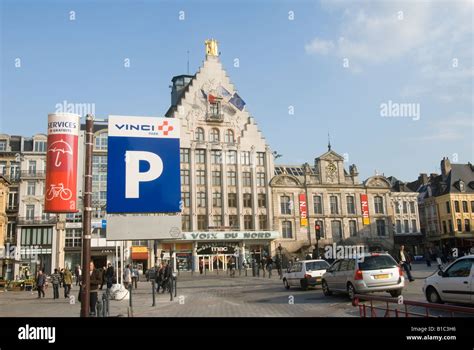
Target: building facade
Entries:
(4, 256)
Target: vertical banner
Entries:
(303, 211)
(365, 209)
(61, 163)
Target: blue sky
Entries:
(333, 62)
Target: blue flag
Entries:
(237, 101)
(223, 91)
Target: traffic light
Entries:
(317, 228)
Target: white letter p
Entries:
(133, 176)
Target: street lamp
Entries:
(317, 228)
(280, 270)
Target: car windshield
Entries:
(316, 265)
(377, 262)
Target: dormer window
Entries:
(461, 186)
(3, 145)
(40, 146)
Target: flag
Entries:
(212, 98)
(223, 91)
(204, 94)
(237, 101)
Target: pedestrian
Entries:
(40, 282)
(109, 276)
(61, 280)
(78, 273)
(102, 273)
(167, 276)
(56, 280)
(231, 267)
(95, 280)
(403, 259)
(201, 265)
(67, 281)
(428, 258)
(159, 277)
(127, 276)
(134, 276)
(269, 266)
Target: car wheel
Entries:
(351, 291)
(325, 288)
(304, 285)
(432, 296)
(395, 293)
(285, 283)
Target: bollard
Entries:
(105, 304)
(99, 308)
(130, 291)
(153, 290)
(170, 286)
(175, 287)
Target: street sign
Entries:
(143, 165)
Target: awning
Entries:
(139, 253)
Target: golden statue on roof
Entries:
(211, 47)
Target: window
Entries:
(261, 158)
(412, 207)
(202, 222)
(378, 201)
(262, 222)
(217, 221)
(262, 200)
(3, 145)
(448, 208)
(184, 155)
(12, 200)
(201, 177)
(286, 229)
(199, 135)
(200, 156)
(321, 227)
(462, 268)
(406, 227)
(229, 136)
(215, 109)
(333, 205)
(73, 238)
(318, 204)
(396, 204)
(216, 157)
(231, 157)
(467, 225)
(31, 188)
(184, 177)
(232, 200)
(201, 199)
(3, 168)
(216, 199)
(231, 178)
(414, 226)
(185, 223)
(352, 228)
(399, 226)
(216, 178)
(214, 135)
(247, 200)
(30, 212)
(248, 223)
(261, 179)
(245, 157)
(405, 207)
(450, 226)
(32, 167)
(456, 207)
(350, 205)
(14, 170)
(185, 197)
(101, 141)
(285, 205)
(40, 146)
(464, 207)
(445, 229)
(472, 206)
(336, 230)
(246, 178)
(233, 221)
(459, 225)
(380, 227)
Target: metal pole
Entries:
(153, 290)
(86, 223)
(307, 203)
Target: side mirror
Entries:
(440, 273)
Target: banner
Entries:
(365, 209)
(303, 211)
(61, 163)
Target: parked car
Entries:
(454, 283)
(370, 272)
(304, 274)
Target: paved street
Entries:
(208, 296)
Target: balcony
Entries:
(12, 209)
(27, 221)
(33, 174)
(12, 178)
(219, 118)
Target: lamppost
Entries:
(280, 270)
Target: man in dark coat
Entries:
(40, 282)
(95, 281)
(109, 276)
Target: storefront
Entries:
(140, 257)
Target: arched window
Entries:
(199, 135)
(214, 135)
(286, 229)
(229, 136)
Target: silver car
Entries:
(371, 272)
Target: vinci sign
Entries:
(143, 165)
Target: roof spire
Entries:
(329, 142)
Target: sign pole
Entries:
(86, 224)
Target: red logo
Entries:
(165, 128)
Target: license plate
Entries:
(377, 277)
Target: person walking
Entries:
(231, 267)
(428, 257)
(67, 282)
(134, 276)
(201, 265)
(127, 276)
(269, 266)
(61, 280)
(40, 282)
(159, 276)
(78, 273)
(56, 280)
(109, 276)
(404, 261)
(95, 281)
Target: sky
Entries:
(391, 82)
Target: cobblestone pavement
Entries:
(208, 296)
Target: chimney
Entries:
(423, 179)
(445, 167)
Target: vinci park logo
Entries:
(160, 129)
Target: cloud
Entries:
(318, 46)
(449, 128)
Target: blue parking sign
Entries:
(143, 174)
